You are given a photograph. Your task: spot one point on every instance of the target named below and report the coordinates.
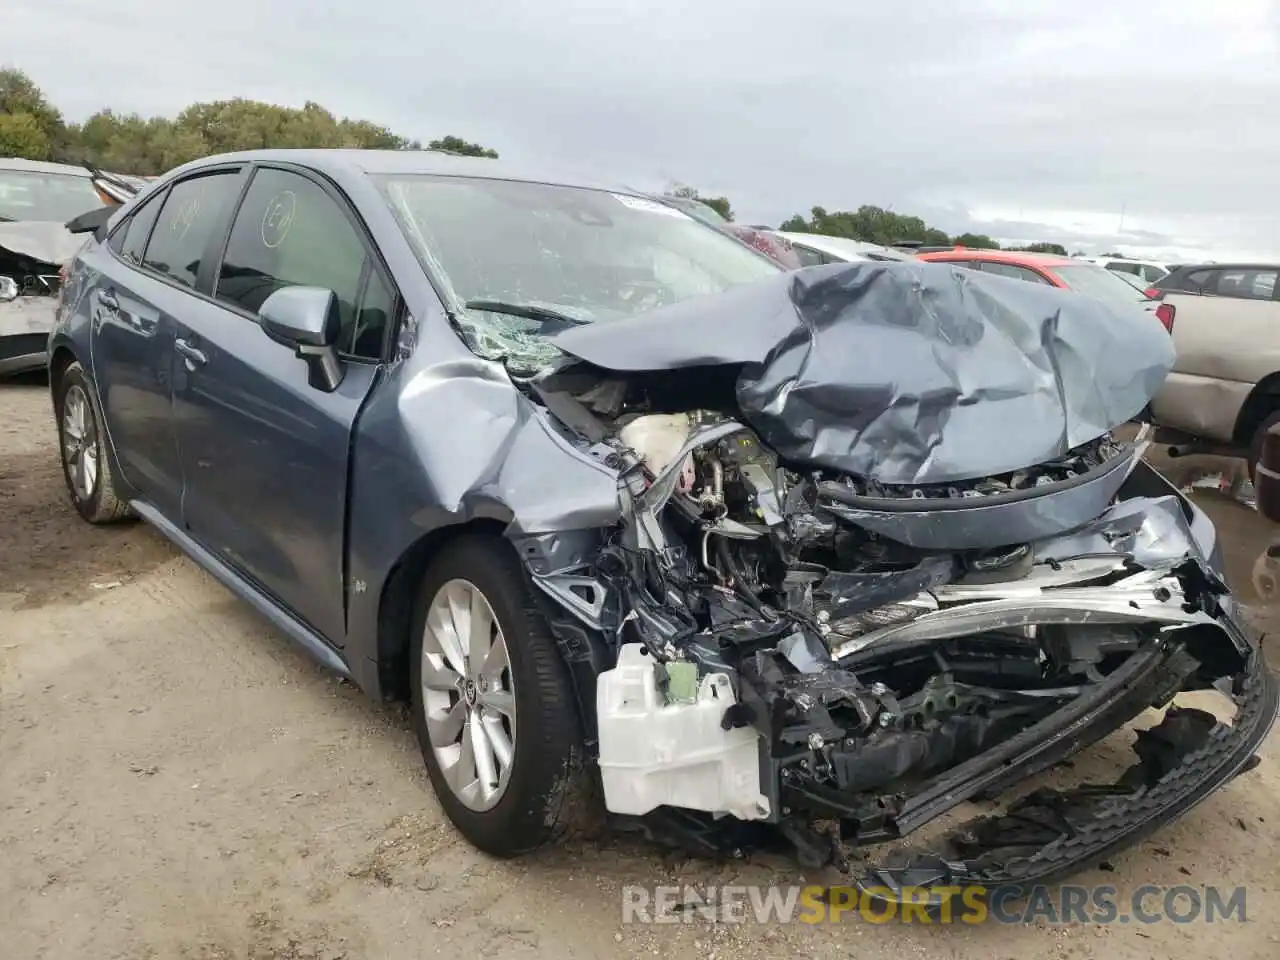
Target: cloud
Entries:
(1081, 110)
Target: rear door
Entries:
(145, 279)
(265, 455)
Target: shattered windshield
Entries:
(57, 197)
(583, 254)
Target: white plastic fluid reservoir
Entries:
(657, 438)
(654, 753)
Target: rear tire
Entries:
(1255, 444)
(517, 703)
(86, 467)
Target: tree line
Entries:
(33, 128)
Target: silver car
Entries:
(36, 201)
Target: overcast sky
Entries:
(1093, 123)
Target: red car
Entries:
(1081, 276)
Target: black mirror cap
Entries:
(302, 316)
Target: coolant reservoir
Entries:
(657, 438)
(654, 753)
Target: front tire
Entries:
(493, 705)
(86, 467)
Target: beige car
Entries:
(1224, 391)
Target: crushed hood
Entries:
(905, 372)
(47, 242)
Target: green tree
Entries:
(131, 143)
(868, 223)
(1055, 248)
(976, 241)
(20, 96)
(452, 144)
(720, 205)
(22, 136)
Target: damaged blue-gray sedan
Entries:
(631, 516)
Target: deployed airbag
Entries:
(905, 372)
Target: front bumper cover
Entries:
(1049, 834)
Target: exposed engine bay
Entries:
(767, 655)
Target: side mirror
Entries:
(307, 319)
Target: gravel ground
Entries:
(177, 781)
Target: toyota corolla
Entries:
(631, 515)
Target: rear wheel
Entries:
(493, 705)
(91, 481)
(1256, 442)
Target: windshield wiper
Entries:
(542, 315)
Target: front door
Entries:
(265, 456)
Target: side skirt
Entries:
(303, 636)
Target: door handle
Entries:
(195, 358)
(107, 300)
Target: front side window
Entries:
(290, 232)
(1198, 281)
(586, 254)
(53, 197)
(193, 209)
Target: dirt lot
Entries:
(177, 781)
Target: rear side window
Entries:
(1246, 284)
(192, 211)
(290, 232)
(1193, 281)
(130, 239)
(1012, 270)
(1133, 268)
(967, 264)
(808, 257)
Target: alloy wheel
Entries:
(468, 694)
(80, 443)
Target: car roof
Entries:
(1226, 266)
(1017, 258)
(1147, 263)
(42, 166)
(841, 246)
(340, 162)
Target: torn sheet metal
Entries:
(498, 450)
(46, 242)
(903, 372)
(980, 523)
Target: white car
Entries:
(814, 248)
(1147, 270)
(36, 201)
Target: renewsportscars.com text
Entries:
(1066, 904)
